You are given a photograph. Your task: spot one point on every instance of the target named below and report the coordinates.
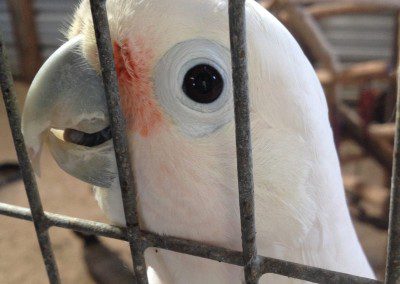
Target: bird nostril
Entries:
(82, 138)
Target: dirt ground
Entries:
(20, 259)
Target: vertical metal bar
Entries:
(118, 129)
(393, 250)
(237, 24)
(28, 176)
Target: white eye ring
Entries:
(193, 118)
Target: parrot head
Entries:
(173, 63)
(174, 73)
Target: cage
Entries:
(254, 265)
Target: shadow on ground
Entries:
(104, 265)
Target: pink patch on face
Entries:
(132, 62)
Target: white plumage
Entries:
(183, 152)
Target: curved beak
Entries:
(68, 93)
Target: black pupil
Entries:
(203, 84)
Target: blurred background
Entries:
(353, 46)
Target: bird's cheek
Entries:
(132, 62)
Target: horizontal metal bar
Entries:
(10, 102)
(309, 273)
(267, 265)
(237, 28)
(194, 248)
(118, 130)
(76, 224)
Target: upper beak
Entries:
(68, 93)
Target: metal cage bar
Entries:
(393, 251)
(38, 217)
(237, 26)
(120, 140)
(254, 265)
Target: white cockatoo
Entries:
(174, 70)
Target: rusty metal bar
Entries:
(309, 273)
(118, 130)
(9, 97)
(66, 222)
(237, 26)
(267, 265)
(393, 249)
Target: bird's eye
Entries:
(193, 84)
(203, 84)
(87, 139)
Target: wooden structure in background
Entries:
(26, 37)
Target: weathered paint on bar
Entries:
(118, 130)
(393, 252)
(237, 26)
